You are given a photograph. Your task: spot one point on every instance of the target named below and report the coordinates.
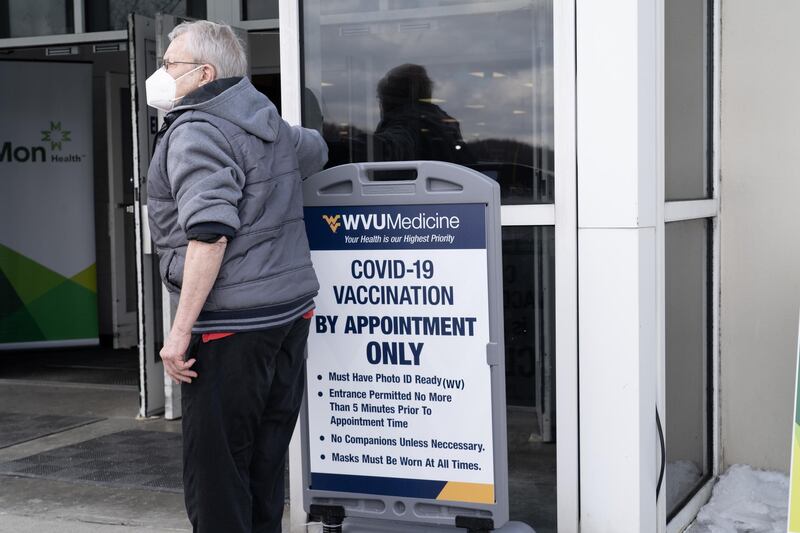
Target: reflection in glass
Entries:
(265, 64)
(259, 9)
(446, 80)
(529, 311)
(104, 15)
(29, 18)
(687, 427)
(687, 99)
(528, 299)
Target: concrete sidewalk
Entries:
(47, 505)
(40, 505)
(43, 505)
(26, 524)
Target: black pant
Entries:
(238, 418)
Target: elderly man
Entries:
(226, 215)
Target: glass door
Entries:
(473, 84)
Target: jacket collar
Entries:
(209, 91)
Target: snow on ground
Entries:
(745, 500)
(682, 477)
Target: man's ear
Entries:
(209, 74)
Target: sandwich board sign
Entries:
(404, 422)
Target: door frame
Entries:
(144, 120)
(124, 323)
(562, 215)
(172, 393)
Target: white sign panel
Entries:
(399, 389)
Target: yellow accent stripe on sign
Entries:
(467, 492)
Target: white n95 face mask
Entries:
(160, 89)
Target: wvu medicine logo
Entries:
(333, 222)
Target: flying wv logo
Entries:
(333, 221)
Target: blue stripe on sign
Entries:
(386, 486)
(397, 227)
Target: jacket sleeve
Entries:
(205, 179)
(312, 152)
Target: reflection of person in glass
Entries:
(412, 127)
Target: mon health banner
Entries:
(47, 238)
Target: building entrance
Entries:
(68, 307)
(118, 139)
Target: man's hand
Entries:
(200, 270)
(173, 354)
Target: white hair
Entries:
(215, 44)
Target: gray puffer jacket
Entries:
(225, 163)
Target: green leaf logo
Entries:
(55, 135)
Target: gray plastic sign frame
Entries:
(435, 183)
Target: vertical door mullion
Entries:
(78, 16)
(661, 350)
(290, 111)
(566, 266)
(715, 176)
